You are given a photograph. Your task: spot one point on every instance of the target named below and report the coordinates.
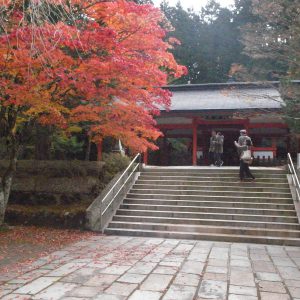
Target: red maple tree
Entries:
(101, 63)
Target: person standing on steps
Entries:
(245, 159)
(212, 144)
(219, 149)
(243, 138)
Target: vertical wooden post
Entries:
(146, 157)
(99, 151)
(246, 126)
(194, 143)
(274, 145)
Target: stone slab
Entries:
(211, 289)
(37, 285)
(156, 282)
(180, 292)
(55, 291)
(145, 295)
(122, 289)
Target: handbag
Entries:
(246, 156)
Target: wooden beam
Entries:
(221, 122)
(175, 126)
(267, 125)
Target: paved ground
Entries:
(115, 268)
(21, 245)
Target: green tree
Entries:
(210, 41)
(274, 38)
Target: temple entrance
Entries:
(178, 150)
(172, 152)
(188, 144)
(230, 134)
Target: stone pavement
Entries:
(134, 268)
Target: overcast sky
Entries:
(196, 4)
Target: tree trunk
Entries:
(43, 143)
(6, 183)
(2, 206)
(88, 149)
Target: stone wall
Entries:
(55, 182)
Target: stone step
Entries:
(207, 215)
(214, 172)
(174, 202)
(208, 209)
(205, 177)
(220, 175)
(209, 204)
(214, 222)
(220, 197)
(206, 229)
(191, 169)
(203, 236)
(220, 182)
(204, 192)
(240, 187)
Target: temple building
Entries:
(197, 109)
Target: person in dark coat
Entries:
(244, 165)
(212, 144)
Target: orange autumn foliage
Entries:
(105, 70)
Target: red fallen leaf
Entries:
(22, 245)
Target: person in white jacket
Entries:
(244, 164)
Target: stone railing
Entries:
(101, 211)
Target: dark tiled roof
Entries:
(225, 96)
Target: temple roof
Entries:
(225, 96)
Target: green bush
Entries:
(66, 147)
(114, 163)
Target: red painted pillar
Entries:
(246, 126)
(146, 157)
(274, 145)
(99, 151)
(195, 143)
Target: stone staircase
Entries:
(209, 204)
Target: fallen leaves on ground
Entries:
(21, 245)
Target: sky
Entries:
(195, 4)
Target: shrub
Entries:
(114, 163)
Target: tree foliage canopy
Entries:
(273, 42)
(210, 40)
(88, 64)
(101, 63)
